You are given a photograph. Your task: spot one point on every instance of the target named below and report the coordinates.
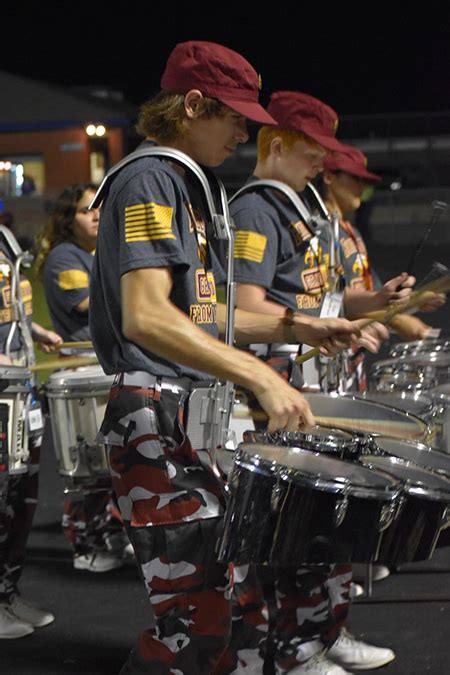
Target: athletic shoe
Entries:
(349, 652)
(98, 562)
(355, 590)
(11, 627)
(29, 613)
(379, 572)
(317, 665)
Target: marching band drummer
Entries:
(153, 273)
(91, 520)
(19, 617)
(341, 185)
(280, 271)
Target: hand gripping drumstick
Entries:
(384, 316)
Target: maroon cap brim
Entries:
(327, 142)
(368, 176)
(250, 109)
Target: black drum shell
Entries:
(413, 534)
(280, 522)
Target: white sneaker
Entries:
(317, 665)
(380, 572)
(128, 552)
(11, 627)
(98, 562)
(349, 652)
(355, 590)
(29, 613)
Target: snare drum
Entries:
(77, 402)
(423, 513)
(334, 442)
(365, 417)
(290, 506)
(412, 373)
(16, 396)
(432, 345)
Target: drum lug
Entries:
(340, 509)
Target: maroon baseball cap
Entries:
(351, 160)
(296, 111)
(218, 72)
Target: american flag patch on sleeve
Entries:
(250, 245)
(147, 222)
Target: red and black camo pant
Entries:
(171, 506)
(16, 519)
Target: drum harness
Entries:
(209, 407)
(324, 371)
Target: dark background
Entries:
(366, 58)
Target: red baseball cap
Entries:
(352, 161)
(218, 72)
(296, 111)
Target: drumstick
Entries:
(57, 364)
(384, 427)
(86, 344)
(384, 316)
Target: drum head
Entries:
(316, 437)
(419, 453)
(88, 377)
(416, 480)
(318, 470)
(359, 416)
(417, 403)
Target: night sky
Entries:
(375, 60)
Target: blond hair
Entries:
(163, 118)
(289, 138)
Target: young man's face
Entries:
(346, 190)
(300, 164)
(212, 140)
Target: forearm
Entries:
(254, 326)
(172, 335)
(358, 302)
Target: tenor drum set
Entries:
(370, 484)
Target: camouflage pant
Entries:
(171, 505)
(92, 522)
(16, 518)
(307, 606)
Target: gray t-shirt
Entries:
(150, 219)
(276, 250)
(67, 274)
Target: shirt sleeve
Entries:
(150, 216)
(66, 278)
(255, 247)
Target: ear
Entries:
(327, 177)
(276, 146)
(192, 102)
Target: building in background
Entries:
(51, 137)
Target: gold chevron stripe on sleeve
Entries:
(147, 222)
(250, 246)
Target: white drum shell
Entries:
(77, 402)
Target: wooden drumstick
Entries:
(384, 316)
(57, 364)
(86, 344)
(384, 427)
